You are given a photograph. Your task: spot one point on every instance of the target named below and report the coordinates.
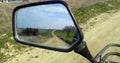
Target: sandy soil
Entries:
(97, 37)
(103, 33)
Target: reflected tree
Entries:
(68, 29)
(30, 31)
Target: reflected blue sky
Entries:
(54, 16)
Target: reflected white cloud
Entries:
(53, 16)
(50, 8)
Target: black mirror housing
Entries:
(16, 33)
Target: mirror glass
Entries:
(46, 25)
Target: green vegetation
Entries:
(63, 35)
(35, 35)
(85, 13)
(44, 35)
(8, 43)
(5, 37)
(33, 31)
(45, 32)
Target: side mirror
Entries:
(49, 25)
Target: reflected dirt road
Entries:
(56, 42)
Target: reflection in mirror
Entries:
(47, 25)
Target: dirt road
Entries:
(102, 33)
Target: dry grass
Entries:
(6, 12)
(6, 31)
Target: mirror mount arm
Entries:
(82, 49)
